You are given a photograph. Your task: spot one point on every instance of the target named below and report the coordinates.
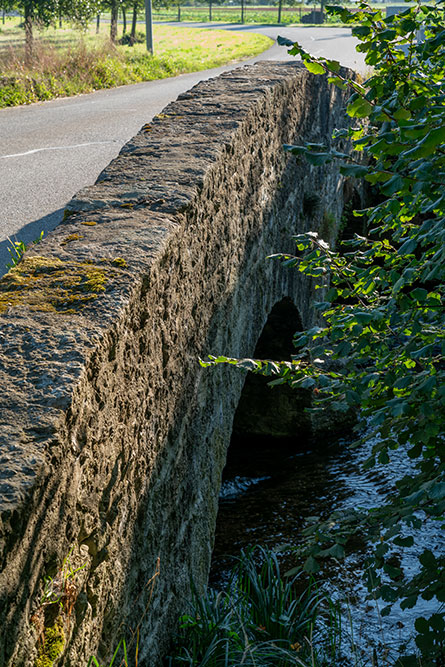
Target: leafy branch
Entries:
(379, 347)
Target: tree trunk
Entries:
(124, 20)
(113, 24)
(133, 21)
(29, 37)
(97, 23)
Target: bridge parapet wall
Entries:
(112, 439)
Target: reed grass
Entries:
(261, 619)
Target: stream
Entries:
(271, 486)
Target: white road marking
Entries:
(55, 148)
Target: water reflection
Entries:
(269, 489)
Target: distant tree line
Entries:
(43, 13)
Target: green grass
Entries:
(68, 63)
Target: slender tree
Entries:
(5, 6)
(136, 6)
(47, 12)
(113, 7)
(124, 19)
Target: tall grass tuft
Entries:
(262, 620)
(60, 72)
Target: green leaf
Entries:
(359, 108)
(333, 65)
(437, 491)
(399, 408)
(336, 551)
(387, 35)
(437, 622)
(420, 294)
(409, 602)
(314, 68)
(364, 318)
(425, 641)
(402, 114)
(361, 31)
(311, 566)
(428, 560)
(248, 364)
(338, 81)
(318, 158)
(404, 541)
(356, 170)
(395, 184)
(421, 624)
(408, 247)
(284, 41)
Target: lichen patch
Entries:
(50, 284)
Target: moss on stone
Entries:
(89, 223)
(119, 261)
(50, 284)
(52, 645)
(71, 237)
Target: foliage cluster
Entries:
(380, 342)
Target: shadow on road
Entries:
(28, 234)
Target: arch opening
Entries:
(278, 412)
(351, 225)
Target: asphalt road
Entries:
(48, 151)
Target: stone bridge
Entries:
(112, 438)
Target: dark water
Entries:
(270, 489)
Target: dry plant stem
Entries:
(135, 634)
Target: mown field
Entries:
(68, 62)
(236, 13)
(233, 14)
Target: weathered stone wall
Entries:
(112, 439)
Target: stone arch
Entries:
(350, 225)
(277, 412)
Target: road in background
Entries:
(49, 150)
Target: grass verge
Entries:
(66, 63)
